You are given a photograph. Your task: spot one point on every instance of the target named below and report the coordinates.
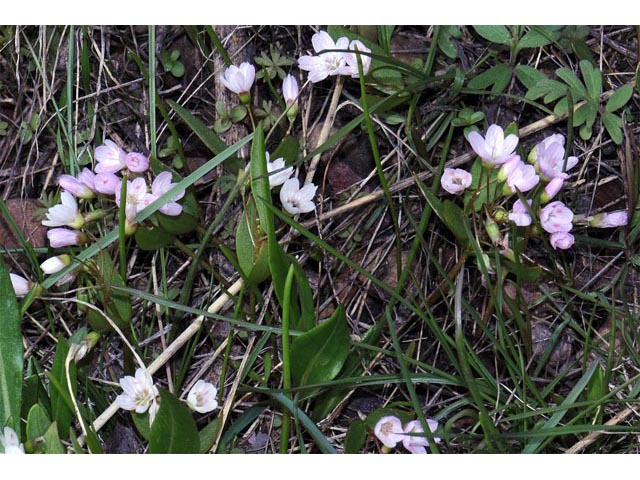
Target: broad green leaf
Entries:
(619, 98)
(454, 218)
(153, 238)
(613, 124)
(52, 442)
(445, 42)
(577, 88)
(37, 422)
(494, 33)
(251, 246)
(288, 149)
(318, 355)
(497, 76)
(141, 421)
(11, 353)
(592, 79)
(538, 36)
(208, 435)
(174, 429)
(529, 76)
(356, 436)
(260, 189)
(61, 406)
(33, 392)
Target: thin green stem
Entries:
(286, 360)
(152, 89)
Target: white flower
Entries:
(239, 79)
(21, 285)
(110, 157)
(328, 63)
(549, 157)
(10, 441)
(55, 264)
(519, 214)
(413, 440)
(281, 174)
(139, 393)
(389, 431)
(202, 397)
(290, 89)
(495, 148)
(295, 199)
(161, 185)
(352, 59)
(455, 180)
(65, 213)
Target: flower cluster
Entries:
(546, 167)
(389, 431)
(327, 63)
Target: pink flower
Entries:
(161, 185)
(10, 441)
(325, 64)
(551, 189)
(618, 218)
(107, 183)
(81, 187)
(137, 162)
(137, 196)
(352, 59)
(239, 79)
(509, 167)
(413, 441)
(389, 431)
(455, 180)
(110, 157)
(63, 237)
(556, 217)
(495, 149)
(549, 156)
(21, 285)
(561, 240)
(523, 178)
(519, 214)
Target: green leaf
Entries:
(538, 36)
(52, 442)
(529, 76)
(260, 189)
(37, 422)
(619, 98)
(478, 193)
(11, 353)
(61, 406)
(356, 436)
(445, 42)
(251, 247)
(177, 70)
(592, 79)
(498, 76)
(613, 124)
(174, 429)
(208, 435)
(238, 113)
(318, 355)
(288, 149)
(577, 88)
(494, 33)
(153, 238)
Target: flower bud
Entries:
(55, 264)
(64, 237)
(492, 230)
(561, 240)
(618, 218)
(137, 162)
(551, 189)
